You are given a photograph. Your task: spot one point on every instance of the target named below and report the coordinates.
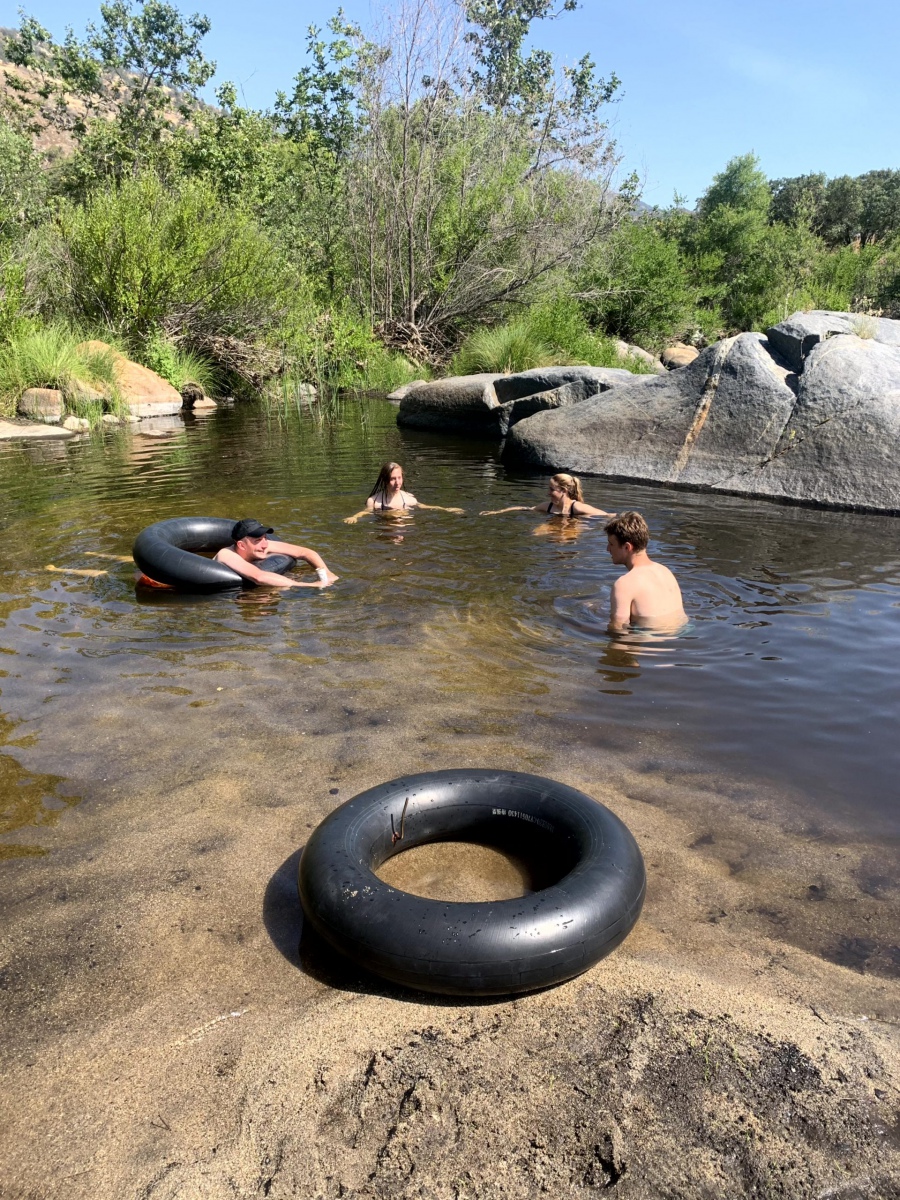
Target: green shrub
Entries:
(51, 356)
(139, 258)
(637, 286)
(179, 365)
(554, 332)
(561, 323)
(386, 370)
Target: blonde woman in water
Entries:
(566, 500)
(388, 496)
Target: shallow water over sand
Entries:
(785, 684)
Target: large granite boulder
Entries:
(840, 446)
(145, 393)
(489, 404)
(739, 420)
(795, 338)
(512, 411)
(545, 379)
(463, 403)
(720, 414)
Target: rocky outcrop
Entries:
(145, 393)
(401, 392)
(796, 337)
(681, 427)
(42, 404)
(463, 403)
(678, 355)
(491, 404)
(739, 419)
(840, 445)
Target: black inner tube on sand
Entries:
(169, 552)
(495, 948)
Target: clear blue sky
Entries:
(809, 86)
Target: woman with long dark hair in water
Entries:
(566, 500)
(388, 495)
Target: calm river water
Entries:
(786, 679)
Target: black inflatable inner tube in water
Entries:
(169, 552)
(494, 948)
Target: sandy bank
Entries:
(166, 1039)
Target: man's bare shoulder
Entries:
(625, 584)
(230, 559)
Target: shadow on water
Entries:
(299, 943)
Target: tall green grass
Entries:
(52, 356)
(553, 333)
(179, 365)
(507, 348)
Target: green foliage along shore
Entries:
(367, 229)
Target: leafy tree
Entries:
(753, 269)
(156, 47)
(841, 210)
(235, 149)
(63, 69)
(502, 75)
(562, 110)
(23, 185)
(880, 218)
(321, 120)
(637, 285)
(799, 198)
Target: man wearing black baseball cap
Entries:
(252, 545)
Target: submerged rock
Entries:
(31, 431)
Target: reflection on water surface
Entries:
(786, 673)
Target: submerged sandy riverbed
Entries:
(168, 1029)
(168, 1034)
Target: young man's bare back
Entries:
(648, 595)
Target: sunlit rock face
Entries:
(741, 418)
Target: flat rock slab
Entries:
(488, 404)
(12, 430)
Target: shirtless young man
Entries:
(648, 595)
(252, 545)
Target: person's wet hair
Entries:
(570, 485)
(629, 527)
(384, 479)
